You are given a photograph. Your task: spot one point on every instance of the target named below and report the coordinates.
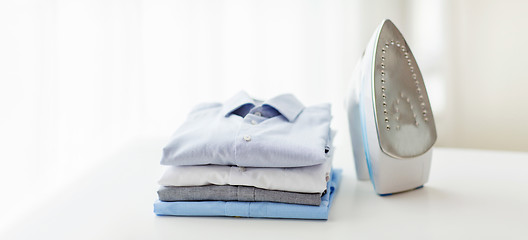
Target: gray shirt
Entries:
(235, 193)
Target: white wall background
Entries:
(79, 79)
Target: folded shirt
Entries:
(312, 179)
(253, 209)
(279, 132)
(235, 193)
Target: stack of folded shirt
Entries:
(250, 158)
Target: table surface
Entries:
(470, 194)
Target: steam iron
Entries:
(391, 123)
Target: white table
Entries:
(471, 195)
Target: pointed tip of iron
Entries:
(387, 25)
(387, 22)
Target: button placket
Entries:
(244, 138)
(247, 136)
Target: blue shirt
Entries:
(279, 132)
(253, 209)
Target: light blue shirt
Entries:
(279, 132)
(253, 209)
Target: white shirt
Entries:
(311, 179)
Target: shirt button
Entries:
(247, 138)
(253, 122)
(258, 114)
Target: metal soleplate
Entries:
(404, 118)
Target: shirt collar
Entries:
(235, 102)
(286, 104)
